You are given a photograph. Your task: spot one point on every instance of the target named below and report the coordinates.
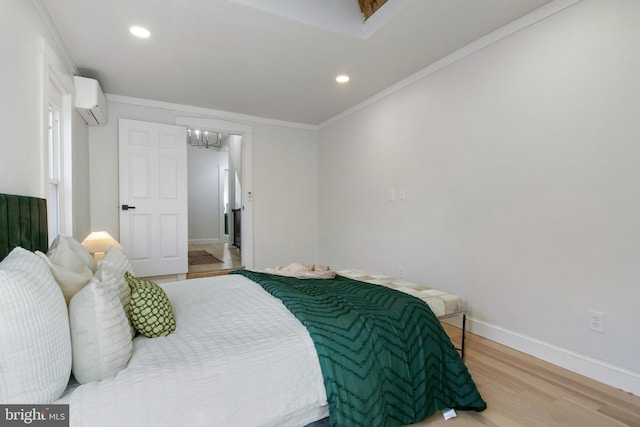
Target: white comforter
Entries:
(237, 358)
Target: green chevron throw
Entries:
(385, 358)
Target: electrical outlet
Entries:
(596, 321)
(401, 268)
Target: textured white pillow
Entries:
(100, 333)
(117, 261)
(67, 267)
(77, 248)
(35, 346)
(116, 282)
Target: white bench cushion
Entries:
(441, 303)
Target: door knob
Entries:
(127, 207)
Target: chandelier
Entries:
(204, 138)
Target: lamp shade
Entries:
(100, 241)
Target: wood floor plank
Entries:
(626, 418)
(576, 414)
(521, 390)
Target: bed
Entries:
(245, 349)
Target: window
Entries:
(57, 161)
(55, 169)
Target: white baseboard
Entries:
(204, 241)
(168, 279)
(607, 373)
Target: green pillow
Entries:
(150, 310)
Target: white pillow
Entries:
(77, 248)
(67, 267)
(100, 333)
(35, 345)
(117, 261)
(112, 280)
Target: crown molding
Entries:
(208, 112)
(52, 31)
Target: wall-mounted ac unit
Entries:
(90, 101)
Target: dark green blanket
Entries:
(385, 359)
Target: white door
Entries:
(153, 197)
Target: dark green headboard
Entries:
(23, 222)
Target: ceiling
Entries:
(276, 59)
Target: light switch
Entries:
(392, 195)
(402, 194)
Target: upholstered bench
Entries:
(442, 304)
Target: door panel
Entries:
(169, 240)
(138, 245)
(170, 140)
(138, 181)
(153, 182)
(169, 180)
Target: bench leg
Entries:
(464, 331)
(464, 327)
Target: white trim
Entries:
(527, 20)
(213, 124)
(248, 251)
(206, 111)
(168, 279)
(607, 373)
(55, 35)
(221, 206)
(55, 75)
(67, 163)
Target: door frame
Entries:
(222, 171)
(246, 160)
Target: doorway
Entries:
(243, 163)
(215, 195)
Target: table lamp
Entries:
(99, 242)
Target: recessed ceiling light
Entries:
(141, 32)
(343, 78)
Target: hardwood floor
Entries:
(228, 254)
(521, 390)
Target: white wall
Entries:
(521, 169)
(285, 196)
(21, 80)
(285, 224)
(23, 37)
(81, 187)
